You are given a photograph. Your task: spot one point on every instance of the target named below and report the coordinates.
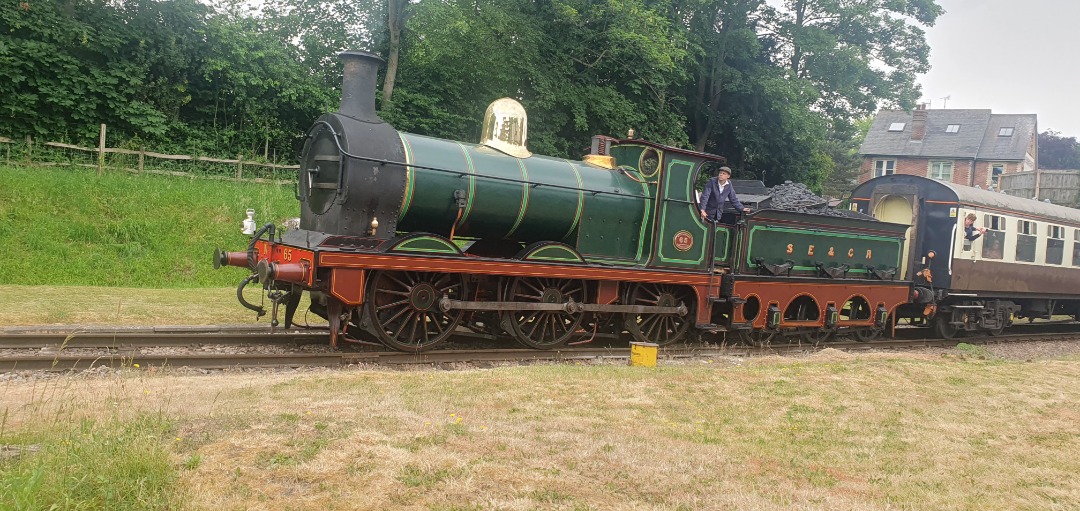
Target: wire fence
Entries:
(31, 152)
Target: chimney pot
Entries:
(361, 69)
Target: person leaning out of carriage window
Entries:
(969, 228)
(718, 191)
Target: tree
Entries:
(1058, 152)
(858, 53)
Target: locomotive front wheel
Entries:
(544, 330)
(404, 308)
(659, 328)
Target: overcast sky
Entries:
(1011, 56)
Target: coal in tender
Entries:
(798, 198)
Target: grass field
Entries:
(833, 431)
(85, 305)
(68, 226)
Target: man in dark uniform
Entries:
(717, 191)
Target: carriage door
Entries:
(899, 209)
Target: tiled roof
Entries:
(977, 136)
(997, 147)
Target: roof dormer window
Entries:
(896, 126)
(1005, 132)
(952, 128)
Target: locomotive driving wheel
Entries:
(404, 308)
(543, 329)
(656, 327)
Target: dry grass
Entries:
(49, 305)
(833, 431)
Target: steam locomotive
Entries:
(405, 239)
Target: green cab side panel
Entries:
(683, 240)
(722, 245)
(831, 241)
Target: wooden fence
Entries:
(142, 155)
(1060, 186)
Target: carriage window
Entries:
(1055, 244)
(1076, 247)
(994, 240)
(1026, 238)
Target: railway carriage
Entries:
(1026, 265)
(405, 239)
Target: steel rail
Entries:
(132, 359)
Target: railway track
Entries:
(40, 349)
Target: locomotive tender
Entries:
(404, 239)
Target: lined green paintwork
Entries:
(409, 177)
(554, 253)
(428, 244)
(771, 243)
(680, 216)
(613, 228)
(516, 204)
(721, 244)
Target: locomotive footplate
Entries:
(571, 306)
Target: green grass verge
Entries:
(68, 226)
(114, 465)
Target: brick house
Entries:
(968, 147)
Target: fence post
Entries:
(142, 156)
(239, 166)
(29, 149)
(101, 151)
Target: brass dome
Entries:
(505, 127)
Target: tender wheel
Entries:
(403, 307)
(758, 338)
(817, 337)
(943, 329)
(543, 330)
(659, 328)
(867, 334)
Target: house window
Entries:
(941, 170)
(994, 240)
(884, 167)
(897, 126)
(996, 170)
(1005, 132)
(1076, 247)
(952, 128)
(1055, 244)
(1026, 237)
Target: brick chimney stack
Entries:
(918, 122)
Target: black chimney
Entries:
(358, 84)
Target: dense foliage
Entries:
(774, 86)
(1057, 151)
